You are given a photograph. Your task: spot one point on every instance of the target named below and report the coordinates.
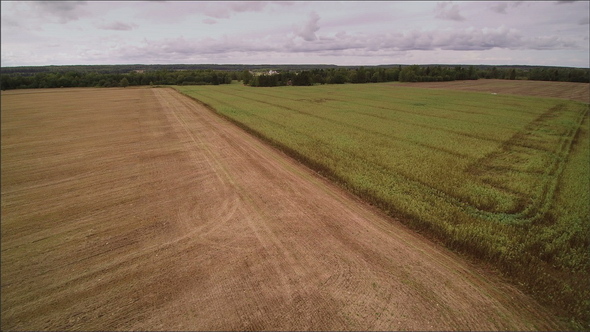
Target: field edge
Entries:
(424, 229)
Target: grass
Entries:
(501, 178)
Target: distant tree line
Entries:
(414, 73)
(70, 79)
(267, 75)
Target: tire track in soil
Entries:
(226, 181)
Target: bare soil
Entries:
(139, 209)
(564, 90)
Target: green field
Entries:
(504, 179)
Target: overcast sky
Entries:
(553, 33)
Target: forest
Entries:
(414, 73)
(269, 75)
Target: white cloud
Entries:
(448, 11)
(307, 32)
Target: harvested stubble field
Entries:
(500, 177)
(139, 209)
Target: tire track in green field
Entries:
(539, 207)
(364, 130)
(533, 211)
(541, 201)
(398, 120)
(384, 118)
(398, 98)
(460, 102)
(384, 108)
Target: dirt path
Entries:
(171, 218)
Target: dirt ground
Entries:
(565, 90)
(138, 209)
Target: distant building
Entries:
(258, 73)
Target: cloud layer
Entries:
(549, 33)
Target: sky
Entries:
(351, 33)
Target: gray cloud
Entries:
(448, 11)
(165, 12)
(222, 9)
(500, 7)
(310, 28)
(549, 43)
(64, 11)
(118, 26)
(10, 22)
(584, 21)
(209, 21)
(283, 3)
(248, 6)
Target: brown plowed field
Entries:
(139, 209)
(565, 90)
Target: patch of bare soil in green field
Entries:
(140, 209)
(564, 90)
